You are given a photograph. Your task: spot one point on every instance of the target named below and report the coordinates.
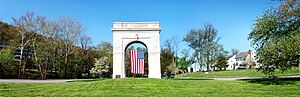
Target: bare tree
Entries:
(84, 41)
(172, 46)
(204, 41)
(71, 31)
(26, 27)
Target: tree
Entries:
(105, 50)
(85, 55)
(6, 58)
(171, 47)
(84, 42)
(195, 40)
(169, 56)
(276, 37)
(40, 42)
(7, 33)
(71, 31)
(166, 61)
(204, 41)
(221, 62)
(101, 67)
(184, 61)
(48, 47)
(26, 26)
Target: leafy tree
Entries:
(221, 62)
(105, 50)
(166, 61)
(169, 56)
(53, 43)
(276, 37)
(185, 61)
(101, 67)
(7, 33)
(85, 56)
(6, 58)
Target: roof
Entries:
(242, 55)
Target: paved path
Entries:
(243, 78)
(257, 78)
(39, 81)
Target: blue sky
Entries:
(232, 18)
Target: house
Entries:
(195, 67)
(242, 61)
(231, 61)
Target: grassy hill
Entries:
(237, 73)
(153, 87)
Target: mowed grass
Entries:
(238, 73)
(154, 87)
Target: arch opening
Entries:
(135, 45)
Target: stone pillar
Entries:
(154, 65)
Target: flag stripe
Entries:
(130, 61)
(136, 65)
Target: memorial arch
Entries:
(126, 33)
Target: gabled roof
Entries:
(242, 55)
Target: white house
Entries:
(242, 61)
(231, 62)
(195, 67)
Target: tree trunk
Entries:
(20, 63)
(1, 70)
(66, 64)
(38, 62)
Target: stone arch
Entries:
(136, 41)
(126, 33)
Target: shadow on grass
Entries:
(274, 81)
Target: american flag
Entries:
(137, 61)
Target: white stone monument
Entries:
(126, 33)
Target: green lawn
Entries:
(238, 73)
(154, 87)
(163, 87)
